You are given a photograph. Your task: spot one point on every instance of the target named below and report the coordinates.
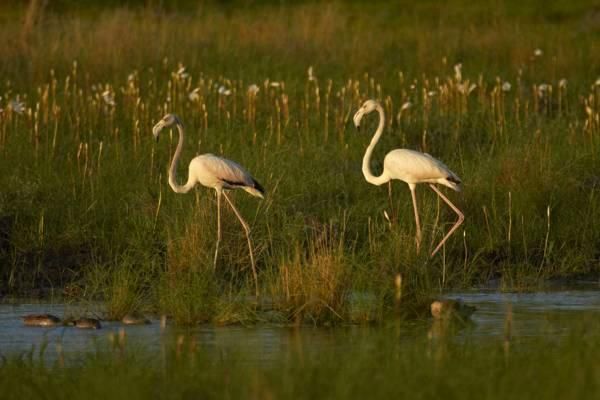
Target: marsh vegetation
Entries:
(516, 346)
(508, 96)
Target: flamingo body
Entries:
(415, 167)
(220, 173)
(410, 166)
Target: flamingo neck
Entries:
(366, 164)
(173, 168)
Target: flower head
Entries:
(224, 91)
(538, 52)
(108, 97)
(542, 89)
(16, 106)
(562, 83)
(311, 77)
(194, 95)
(181, 74)
(458, 72)
(253, 89)
(506, 86)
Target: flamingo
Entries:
(213, 172)
(410, 166)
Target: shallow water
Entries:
(540, 314)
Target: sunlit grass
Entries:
(512, 107)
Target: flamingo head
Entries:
(367, 107)
(166, 122)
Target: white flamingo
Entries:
(213, 172)
(411, 167)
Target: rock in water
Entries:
(448, 308)
(44, 320)
(133, 319)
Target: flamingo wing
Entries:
(416, 167)
(215, 171)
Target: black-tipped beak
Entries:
(358, 128)
(156, 138)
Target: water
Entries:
(533, 315)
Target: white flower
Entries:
(275, 84)
(431, 93)
(181, 74)
(562, 83)
(465, 88)
(108, 97)
(17, 106)
(597, 82)
(506, 86)
(194, 95)
(311, 77)
(538, 52)
(224, 91)
(542, 89)
(253, 89)
(131, 77)
(589, 110)
(458, 72)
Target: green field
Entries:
(86, 211)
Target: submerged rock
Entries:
(134, 319)
(84, 323)
(43, 320)
(448, 308)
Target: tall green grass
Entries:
(85, 199)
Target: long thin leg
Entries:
(218, 228)
(461, 218)
(392, 209)
(414, 200)
(247, 230)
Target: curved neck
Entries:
(366, 164)
(173, 168)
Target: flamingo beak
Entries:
(356, 119)
(157, 128)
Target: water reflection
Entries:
(533, 315)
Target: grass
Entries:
(85, 201)
(380, 362)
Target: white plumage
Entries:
(220, 173)
(411, 167)
(214, 172)
(414, 167)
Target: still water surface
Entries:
(533, 315)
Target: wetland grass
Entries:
(85, 202)
(379, 363)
